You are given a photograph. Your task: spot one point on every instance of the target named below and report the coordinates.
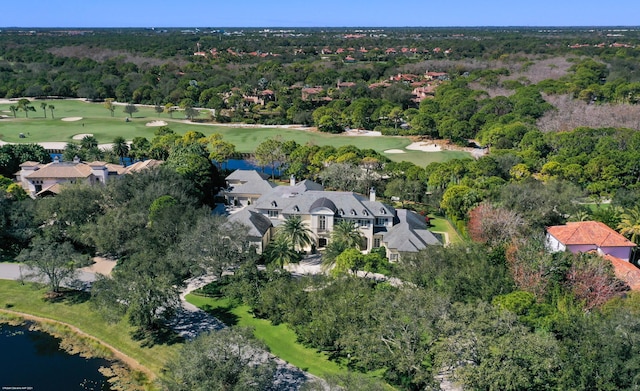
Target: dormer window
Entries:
(341, 211)
(383, 211)
(353, 212)
(274, 204)
(364, 212)
(296, 209)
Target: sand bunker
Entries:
(81, 136)
(362, 132)
(424, 147)
(394, 151)
(71, 119)
(156, 123)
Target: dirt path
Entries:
(117, 354)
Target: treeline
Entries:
(465, 314)
(233, 84)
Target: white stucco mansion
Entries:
(266, 205)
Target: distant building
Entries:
(45, 179)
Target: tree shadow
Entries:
(67, 296)
(223, 314)
(159, 334)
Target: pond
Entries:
(32, 360)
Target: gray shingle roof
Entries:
(292, 200)
(246, 176)
(257, 223)
(410, 234)
(254, 187)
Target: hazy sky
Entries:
(327, 13)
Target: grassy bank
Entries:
(97, 120)
(442, 225)
(76, 312)
(280, 339)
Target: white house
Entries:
(380, 224)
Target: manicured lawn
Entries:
(423, 159)
(440, 224)
(24, 298)
(280, 339)
(98, 121)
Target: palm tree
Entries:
(629, 225)
(280, 252)
(297, 232)
(88, 142)
(14, 110)
(24, 104)
(51, 108)
(120, 148)
(43, 106)
(345, 235)
(347, 232)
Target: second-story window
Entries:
(381, 221)
(322, 222)
(273, 214)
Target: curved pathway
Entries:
(189, 322)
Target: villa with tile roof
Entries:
(380, 224)
(594, 236)
(45, 179)
(585, 236)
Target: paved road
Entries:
(16, 271)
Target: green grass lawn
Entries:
(440, 224)
(26, 299)
(98, 121)
(280, 339)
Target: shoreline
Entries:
(130, 364)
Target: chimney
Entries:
(292, 180)
(372, 194)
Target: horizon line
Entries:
(320, 27)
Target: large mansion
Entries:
(264, 206)
(44, 179)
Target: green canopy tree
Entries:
(270, 153)
(228, 359)
(221, 150)
(140, 148)
(51, 262)
(108, 104)
(130, 109)
(146, 296)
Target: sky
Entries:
(327, 13)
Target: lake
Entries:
(32, 360)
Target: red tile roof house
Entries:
(586, 236)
